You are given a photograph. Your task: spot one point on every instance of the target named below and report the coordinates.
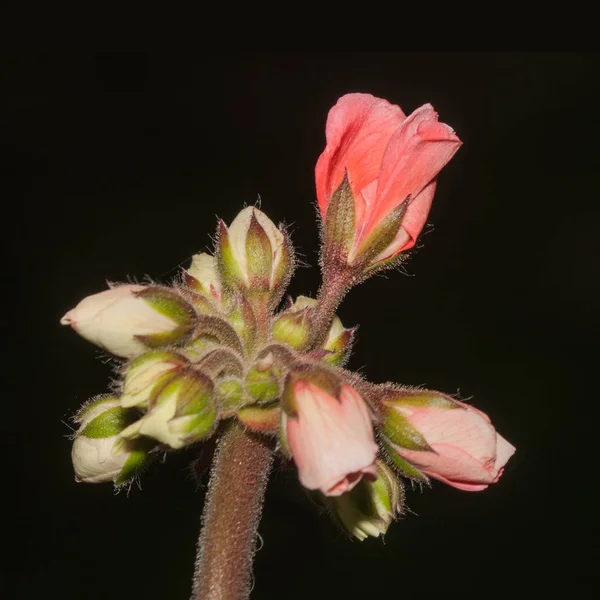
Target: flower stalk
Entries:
(330, 296)
(231, 515)
(215, 354)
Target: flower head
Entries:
(389, 159)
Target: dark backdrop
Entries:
(119, 164)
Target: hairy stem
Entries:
(231, 515)
(331, 293)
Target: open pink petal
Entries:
(412, 224)
(358, 130)
(410, 163)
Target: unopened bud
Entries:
(254, 255)
(95, 454)
(263, 385)
(184, 412)
(146, 374)
(265, 419)
(327, 428)
(203, 277)
(438, 436)
(369, 508)
(128, 319)
(230, 395)
(293, 327)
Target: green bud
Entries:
(97, 457)
(184, 412)
(263, 384)
(264, 419)
(370, 507)
(229, 393)
(293, 327)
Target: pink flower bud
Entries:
(388, 158)
(465, 452)
(331, 440)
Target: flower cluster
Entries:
(218, 345)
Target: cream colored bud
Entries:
(128, 319)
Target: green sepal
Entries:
(220, 361)
(222, 330)
(109, 423)
(338, 351)
(339, 228)
(230, 395)
(86, 408)
(398, 430)
(387, 264)
(364, 500)
(321, 377)
(227, 263)
(404, 467)
(285, 262)
(170, 304)
(195, 427)
(138, 459)
(263, 386)
(155, 356)
(243, 320)
(293, 328)
(259, 256)
(201, 301)
(381, 237)
(200, 346)
(261, 418)
(393, 499)
(194, 392)
(421, 400)
(283, 441)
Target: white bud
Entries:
(238, 233)
(184, 412)
(97, 454)
(126, 319)
(203, 276)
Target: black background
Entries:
(118, 165)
